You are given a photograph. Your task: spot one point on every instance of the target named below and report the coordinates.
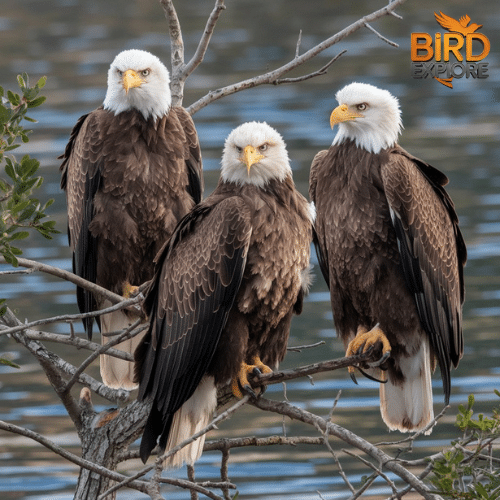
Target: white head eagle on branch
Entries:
(131, 170)
(228, 282)
(391, 252)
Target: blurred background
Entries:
(72, 42)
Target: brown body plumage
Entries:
(128, 180)
(228, 283)
(392, 254)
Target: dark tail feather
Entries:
(152, 431)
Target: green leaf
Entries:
(14, 99)
(48, 203)
(41, 82)
(4, 361)
(20, 235)
(10, 148)
(36, 102)
(21, 81)
(481, 490)
(27, 213)
(4, 114)
(9, 170)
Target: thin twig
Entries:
(386, 40)
(103, 349)
(72, 340)
(335, 402)
(326, 442)
(66, 275)
(188, 485)
(299, 41)
(412, 437)
(17, 271)
(191, 477)
(321, 71)
(47, 358)
(347, 436)
(301, 348)
(224, 471)
(369, 481)
(377, 470)
(73, 317)
(205, 40)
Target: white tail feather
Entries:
(194, 415)
(118, 373)
(408, 407)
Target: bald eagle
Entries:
(391, 252)
(131, 170)
(228, 282)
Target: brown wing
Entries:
(199, 274)
(432, 252)
(193, 154)
(80, 178)
(322, 256)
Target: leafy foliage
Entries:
(469, 469)
(19, 210)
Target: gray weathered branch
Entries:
(383, 460)
(273, 77)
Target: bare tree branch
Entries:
(181, 71)
(159, 460)
(205, 40)
(77, 342)
(73, 278)
(383, 38)
(300, 348)
(128, 333)
(299, 41)
(49, 358)
(347, 436)
(138, 485)
(125, 303)
(175, 32)
(273, 76)
(321, 71)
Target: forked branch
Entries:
(180, 70)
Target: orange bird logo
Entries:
(459, 26)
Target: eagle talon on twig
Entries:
(242, 382)
(368, 344)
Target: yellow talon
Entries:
(241, 380)
(366, 340)
(129, 290)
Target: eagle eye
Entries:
(120, 73)
(238, 149)
(263, 147)
(145, 72)
(362, 106)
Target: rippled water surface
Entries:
(457, 130)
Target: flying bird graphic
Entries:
(459, 26)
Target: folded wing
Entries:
(199, 274)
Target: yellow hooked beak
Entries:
(250, 156)
(131, 79)
(343, 114)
